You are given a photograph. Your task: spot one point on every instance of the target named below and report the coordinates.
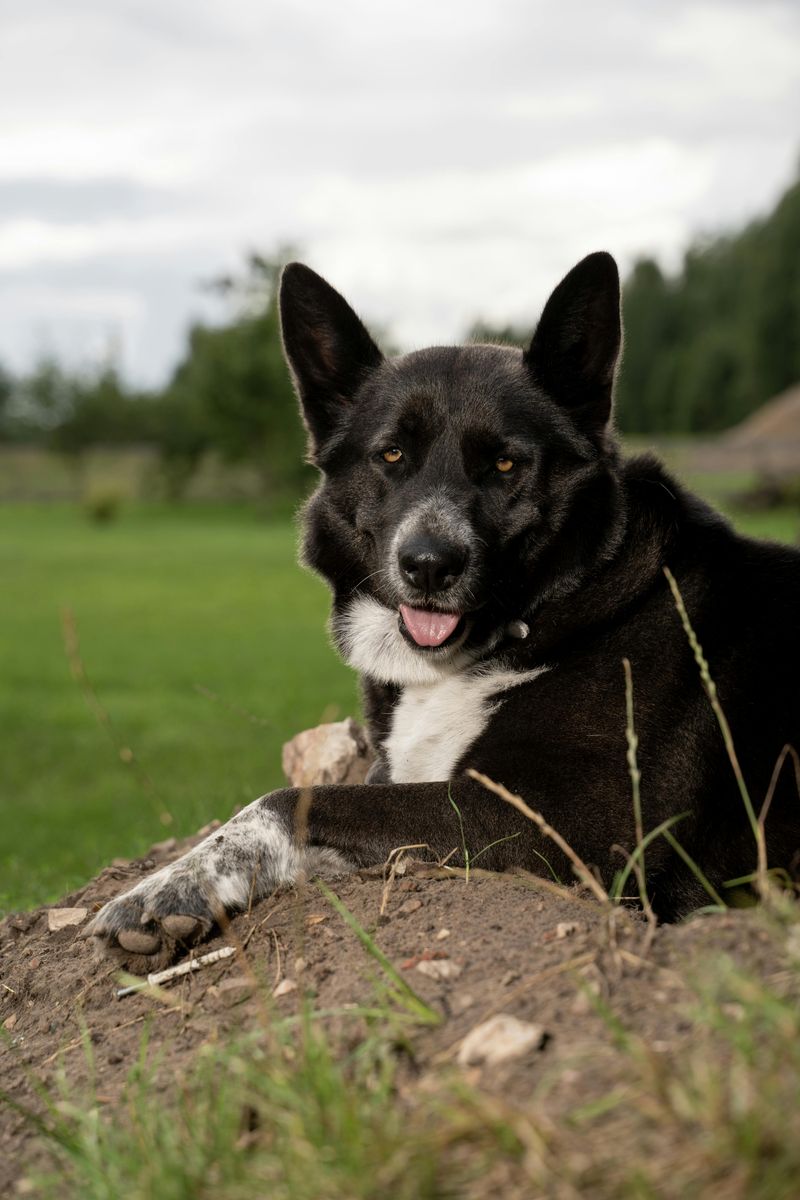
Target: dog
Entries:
(492, 560)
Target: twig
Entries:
(125, 1025)
(184, 968)
(278, 957)
(579, 866)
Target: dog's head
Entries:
(462, 487)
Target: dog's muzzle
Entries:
(431, 564)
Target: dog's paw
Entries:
(146, 927)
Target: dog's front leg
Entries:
(262, 847)
(250, 856)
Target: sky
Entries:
(436, 160)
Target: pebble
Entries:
(498, 1040)
(439, 968)
(566, 929)
(410, 906)
(60, 918)
(284, 987)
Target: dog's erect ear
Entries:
(574, 351)
(328, 349)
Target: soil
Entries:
(514, 947)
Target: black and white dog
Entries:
(492, 561)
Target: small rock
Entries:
(299, 966)
(509, 978)
(161, 850)
(21, 922)
(442, 934)
(10, 1022)
(410, 906)
(115, 1057)
(498, 1040)
(35, 962)
(315, 919)
(334, 753)
(461, 1002)
(209, 828)
(563, 929)
(60, 918)
(235, 987)
(284, 988)
(439, 968)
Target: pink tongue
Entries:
(428, 628)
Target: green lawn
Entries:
(166, 602)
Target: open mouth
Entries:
(429, 629)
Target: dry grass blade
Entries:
(579, 866)
(787, 752)
(393, 862)
(72, 649)
(762, 881)
(636, 776)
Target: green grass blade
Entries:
(402, 989)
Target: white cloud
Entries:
(437, 160)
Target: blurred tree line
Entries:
(704, 347)
(229, 394)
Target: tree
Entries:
(233, 388)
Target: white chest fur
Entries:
(434, 724)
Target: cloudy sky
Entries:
(436, 159)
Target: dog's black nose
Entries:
(430, 564)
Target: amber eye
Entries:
(504, 464)
(392, 456)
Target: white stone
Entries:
(60, 918)
(334, 753)
(498, 1040)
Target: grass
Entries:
(280, 1112)
(287, 1112)
(205, 645)
(165, 601)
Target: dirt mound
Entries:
(774, 422)
(545, 1004)
(471, 948)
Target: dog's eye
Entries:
(504, 464)
(392, 455)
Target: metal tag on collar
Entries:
(517, 629)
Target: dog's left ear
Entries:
(574, 351)
(327, 347)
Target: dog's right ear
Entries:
(327, 347)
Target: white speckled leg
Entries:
(250, 856)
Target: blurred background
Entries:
(443, 165)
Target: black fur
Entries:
(572, 541)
